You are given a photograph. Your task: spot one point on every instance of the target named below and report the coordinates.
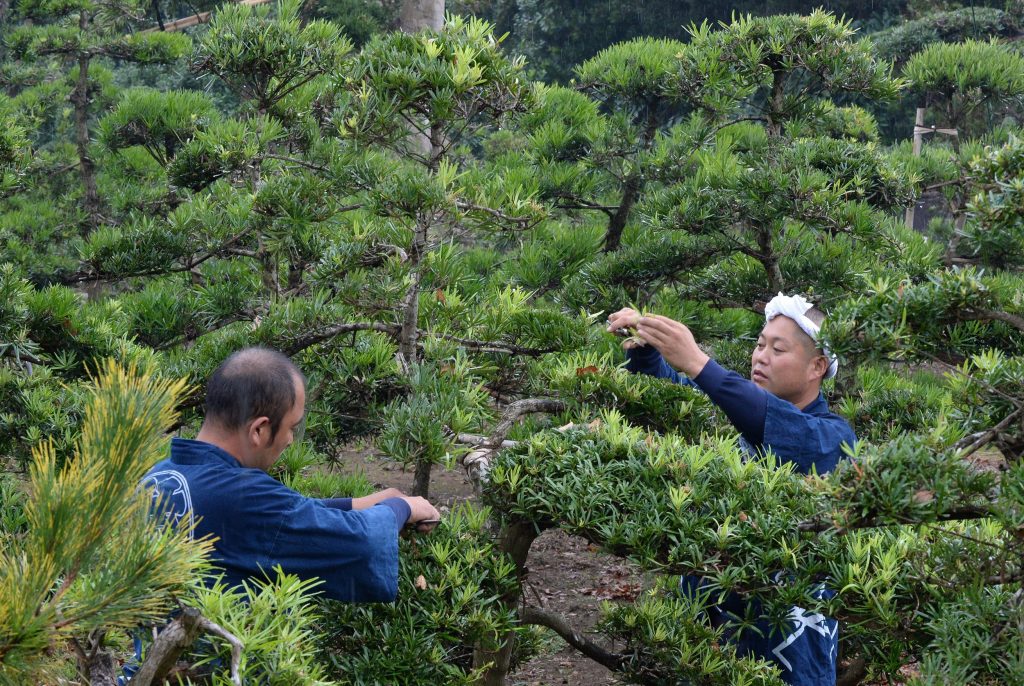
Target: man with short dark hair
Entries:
(219, 484)
(779, 408)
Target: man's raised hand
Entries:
(623, 323)
(674, 341)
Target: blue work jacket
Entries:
(809, 438)
(260, 523)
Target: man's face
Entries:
(783, 361)
(286, 432)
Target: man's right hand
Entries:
(626, 318)
(421, 509)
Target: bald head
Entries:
(251, 383)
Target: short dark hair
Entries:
(250, 383)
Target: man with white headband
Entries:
(779, 408)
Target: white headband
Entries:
(794, 307)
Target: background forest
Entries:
(434, 218)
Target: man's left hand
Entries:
(370, 500)
(675, 342)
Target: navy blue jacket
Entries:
(809, 438)
(260, 523)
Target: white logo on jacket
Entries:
(171, 497)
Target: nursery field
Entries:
(693, 340)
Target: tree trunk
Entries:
(421, 478)
(421, 14)
(613, 236)
(80, 99)
(409, 335)
(515, 541)
(775, 103)
(102, 669)
(770, 261)
(176, 637)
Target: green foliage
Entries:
(995, 233)
(276, 622)
(667, 638)
(700, 508)
(449, 586)
(226, 148)
(264, 60)
(359, 20)
(555, 34)
(899, 43)
(595, 381)
(56, 580)
(851, 122)
(961, 653)
(799, 58)
(443, 402)
(957, 79)
(431, 79)
(159, 122)
(13, 155)
(888, 403)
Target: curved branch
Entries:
(310, 339)
(491, 346)
(974, 442)
(874, 521)
(477, 461)
(557, 623)
(1014, 320)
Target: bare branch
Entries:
(491, 346)
(975, 442)
(1014, 320)
(873, 522)
(326, 334)
(557, 623)
(526, 222)
(175, 639)
(478, 461)
(236, 646)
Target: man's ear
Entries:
(819, 366)
(259, 432)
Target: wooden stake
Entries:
(918, 136)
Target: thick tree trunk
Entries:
(515, 540)
(80, 99)
(421, 14)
